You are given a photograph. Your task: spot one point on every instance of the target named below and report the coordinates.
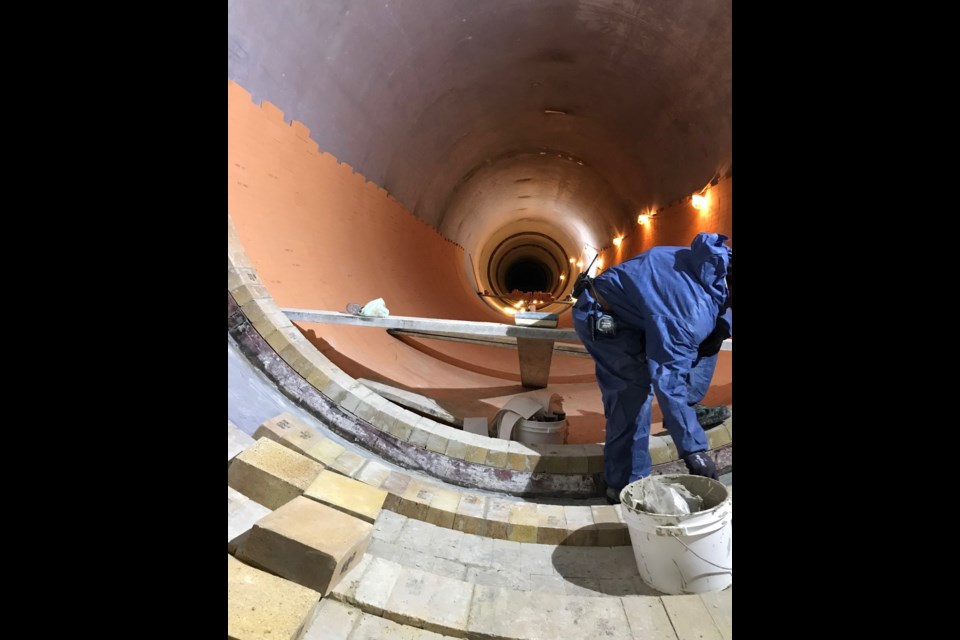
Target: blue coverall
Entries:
(665, 302)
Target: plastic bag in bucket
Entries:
(686, 552)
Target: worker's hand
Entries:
(700, 464)
(712, 343)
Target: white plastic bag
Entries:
(375, 308)
(668, 498)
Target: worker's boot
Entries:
(612, 495)
(711, 416)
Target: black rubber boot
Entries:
(612, 496)
(711, 416)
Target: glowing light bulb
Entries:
(701, 203)
(643, 218)
(579, 264)
(572, 260)
(562, 277)
(617, 241)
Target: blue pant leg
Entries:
(624, 379)
(700, 376)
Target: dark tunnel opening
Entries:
(527, 275)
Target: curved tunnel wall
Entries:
(474, 122)
(477, 116)
(317, 232)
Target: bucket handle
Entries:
(726, 569)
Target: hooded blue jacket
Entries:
(673, 295)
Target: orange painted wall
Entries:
(677, 225)
(321, 236)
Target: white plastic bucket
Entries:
(682, 554)
(539, 432)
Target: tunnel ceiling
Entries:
(478, 115)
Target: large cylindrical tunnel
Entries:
(428, 152)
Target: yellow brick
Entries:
(348, 463)
(259, 604)
(575, 459)
(456, 449)
(236, 256)
(583, 530)
(717, 437)
(437, 443)
(610, 529)
(347, 495)
(521, 462)
(522, 522)
(419, 437)
(247, 292)
(551, 524)
(475, 454)
(336, 389)
(498, 518)
(368, 411)
(350, 402)
(325, 451)
(416, 499)
(470, 514)
(594, 453)
(395, 485)
(271, 474)
(237, 276)
(256, 310)
(373, 473)
(308, 543)
(271, 322)
(302, 439)
(580, 524)
(278, 426)
(605, 514)
(443, 507)
(292, 356)
(318, 378)
(496, 459)
(659, 450)
(398, 428)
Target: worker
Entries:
(654, 325)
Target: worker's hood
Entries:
(709, 260)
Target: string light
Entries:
(701, 202)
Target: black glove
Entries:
(700, 464)
(712, 343)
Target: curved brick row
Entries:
(421, 499)
(271, 340)
(463, 609)
(335, 620)
(417, 575)
(521, 566)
